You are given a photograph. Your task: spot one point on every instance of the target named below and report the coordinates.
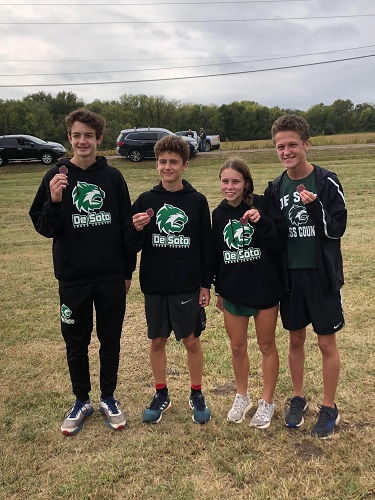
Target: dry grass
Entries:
(322, 140)
(177, 459)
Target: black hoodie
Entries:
(248, 257)
(177, 246)
(88, 226)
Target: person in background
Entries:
(312, 202)
(249, 235)
(83, 204)
(202, 140)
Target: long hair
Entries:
(240, 166)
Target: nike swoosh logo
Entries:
(336, 326)
(185, 301)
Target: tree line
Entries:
(42, 115)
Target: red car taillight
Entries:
(119, 144)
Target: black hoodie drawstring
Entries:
(231, 226)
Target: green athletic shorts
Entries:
(239, 309)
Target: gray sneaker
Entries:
(110, 408)
(241, 406)
(263, 415)
(75, 416)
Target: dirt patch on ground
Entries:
(307, 449)
(224, 390)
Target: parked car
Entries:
(27, 148)
(212, 141)
(138, 143)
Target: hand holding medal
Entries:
(58, 183)
(305, 195)
(141, 219)
(252, 215)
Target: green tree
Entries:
(317, 117)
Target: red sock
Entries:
(159, 387)
(196, 387)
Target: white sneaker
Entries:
(75, 417)
(110, 408)
(239, 409)
(263, 415)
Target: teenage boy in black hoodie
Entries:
(171, 225)
(313, 204)
(83, 204)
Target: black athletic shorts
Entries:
(307, 302)
(178, 312)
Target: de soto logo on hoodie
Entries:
(238, 238)
(89, 198)
(170, 221)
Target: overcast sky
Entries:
(135, 43)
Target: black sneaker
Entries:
(160, 403)
(325, 426)
(201, 412)
(294, 415)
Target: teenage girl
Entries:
(249, 234)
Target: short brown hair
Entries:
(173, 144)
(294, 123)
(83, 115)
(240, 166)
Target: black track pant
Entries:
(76, 311)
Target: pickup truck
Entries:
(212, 141)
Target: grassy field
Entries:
(175, 458)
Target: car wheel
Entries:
(135, 155)
(2, 161)
(47, 158)
(208, 146)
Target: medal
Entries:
(300, 188)
(63, 170)
(150, 212)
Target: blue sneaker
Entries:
(159, 404)
(297, 407)
(201, 412)
(325, 426)
(75, 416)
(115, 416)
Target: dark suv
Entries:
(27, 148)
(138, 143)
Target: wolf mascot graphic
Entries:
(87, 197)
(298, 216)
(236, 235)
(171, 219)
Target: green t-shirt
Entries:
(301, 238)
